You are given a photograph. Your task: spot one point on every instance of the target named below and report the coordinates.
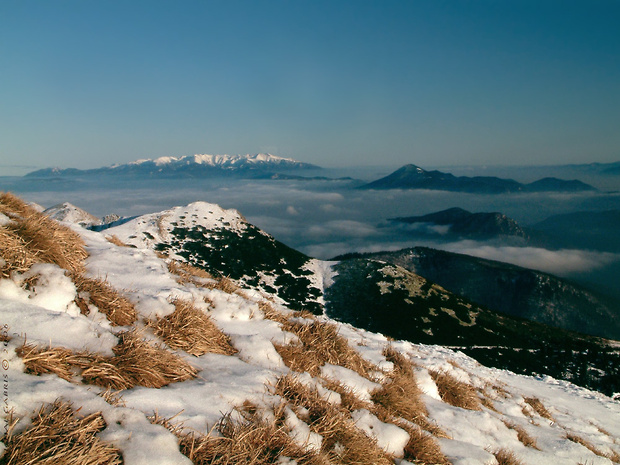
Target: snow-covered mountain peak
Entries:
(222, 160)
(72, 214)
(154, 228)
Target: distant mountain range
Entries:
(260, 164)
(414, 177)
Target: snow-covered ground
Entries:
(48, 316)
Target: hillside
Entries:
(222, 243)
(511, 289)
(462, 223)
(235, 377)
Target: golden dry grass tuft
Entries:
(422, 448)
(189, 274)
(349, 399)
(522, 435)
(113, 239)
(538, 407)
(32, 237)
(117, 308)
(12, 204)
(400, 395)
(454, 391)
(249, 439)
(343, 442)
(613, 456)
(319, 343)
(506, 457)
(59, 436)
(190, 329)
(137, 362)
(271, 313)
(225, 284)
(55, 360)
(15, 255)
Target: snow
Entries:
(389, 437)
(46, 315)
(72, 214)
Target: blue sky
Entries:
(336, 83)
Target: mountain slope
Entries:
(190, 166)
(471, 225)
(511, 289)
(342, 406)
(224, 244)
(414, 177)
(257, 395)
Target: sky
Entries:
(337, 83)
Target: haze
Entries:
(335, 83)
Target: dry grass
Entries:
(113, 239)
(422, 448)
(271, 313)
(319, 344)
(56, 360)
(227, 285)
(343, 442)
(44, 239)
(11, 204)
(189, 274)
(349, 400)
(117, 308)
(191, 330)
(455, 392)
(15, 256)
(506, 457)
(522, 435)
(400, 395)
(32, 237)
(251, 439)
(137, 362)
(59, 436)
(538, 407)
(613, 456)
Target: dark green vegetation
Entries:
(512, 290)
(248, 255)
(466, 224)
(388, 299)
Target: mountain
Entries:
(380, 296)
(368, 293)
(120, 354)
(190, 166)
(463, 223)
(223, 243)
(595, 230)
(70, 213)
(510, 289)
(414, 177)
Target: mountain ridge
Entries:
(189, 166)
(413, 177)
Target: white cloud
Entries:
(560, 262)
